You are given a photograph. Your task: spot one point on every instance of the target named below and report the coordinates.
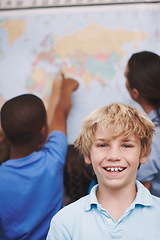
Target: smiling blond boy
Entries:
(115, 140)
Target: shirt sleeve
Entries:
(57, 145)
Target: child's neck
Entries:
(115, 202)
(147, 106)
(22, 151)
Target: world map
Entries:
(90, 44)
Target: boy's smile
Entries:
(115, 159)
(113, 169)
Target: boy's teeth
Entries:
(116, 169)
(120, 169)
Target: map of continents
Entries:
(92, 52)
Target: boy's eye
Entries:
(126, 146)
(102, 145)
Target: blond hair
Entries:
(119, 119)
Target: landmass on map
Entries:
(90, 53)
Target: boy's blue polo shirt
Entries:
(31, 191)
(86, 219)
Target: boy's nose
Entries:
(113, 154)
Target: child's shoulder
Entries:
(70, 218)
(154, 211)
(76, 205)
(73, 209)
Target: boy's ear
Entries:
(43, 131)
(143, 159)
(87, 160)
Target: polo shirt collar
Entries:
(143, 197)
(92, 199)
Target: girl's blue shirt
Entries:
(150, 171)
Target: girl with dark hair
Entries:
(143, 83)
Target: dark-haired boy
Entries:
(31, 181)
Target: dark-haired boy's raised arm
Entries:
(60, 102)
